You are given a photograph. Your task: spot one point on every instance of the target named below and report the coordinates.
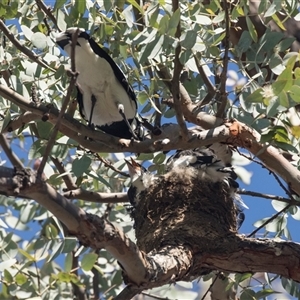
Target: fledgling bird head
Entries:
(141, 179)
(136, 172)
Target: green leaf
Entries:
(7, 276)
(27, 255)
(99, 178)
(80, 6)
(164, 24)
(64, 277)
(20, 279)
(152, 50)
(69, 245)
(56, 251)
(204, 20)
(188, 39)
(185, 56)
(175, 19)
(81, 165)
(153, 17)
(248, 294)
(244, 43)
(68, 262)
(59, 4)
(295, 93)
(251, 28)
(88, 261)
(255, 97)
(271, 10)
(159, 158)
(142, 97)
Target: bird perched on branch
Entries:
(105, 97)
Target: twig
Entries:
(223, 94)
(109, 165)
(23, 49)
(66, 177)
(211, 285)
(47, 11)
(96, 197)
(291, 202)
(154, 296)
(63, 108)
(139, 19)
(157, 116)
(271, 172)
(266, 196)
(16, 162)
(128, 293)
(96, 280)
(176, 79)
(269, 220)
(211, 91)
(79, 291)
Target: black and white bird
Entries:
(106, 99)
(204, 164)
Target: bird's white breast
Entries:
(96, 77)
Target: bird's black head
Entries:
(65, 38)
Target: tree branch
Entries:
(266, 196)
(70, 184)
(23, 49)
(47, 11)
(14, 159)
(96, 197)
(176, 78)
(223, 93)
(211, 91)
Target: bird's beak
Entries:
(133, 167)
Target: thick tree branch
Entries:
(257, 255)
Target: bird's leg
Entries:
(121, 112)
(92, 110)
